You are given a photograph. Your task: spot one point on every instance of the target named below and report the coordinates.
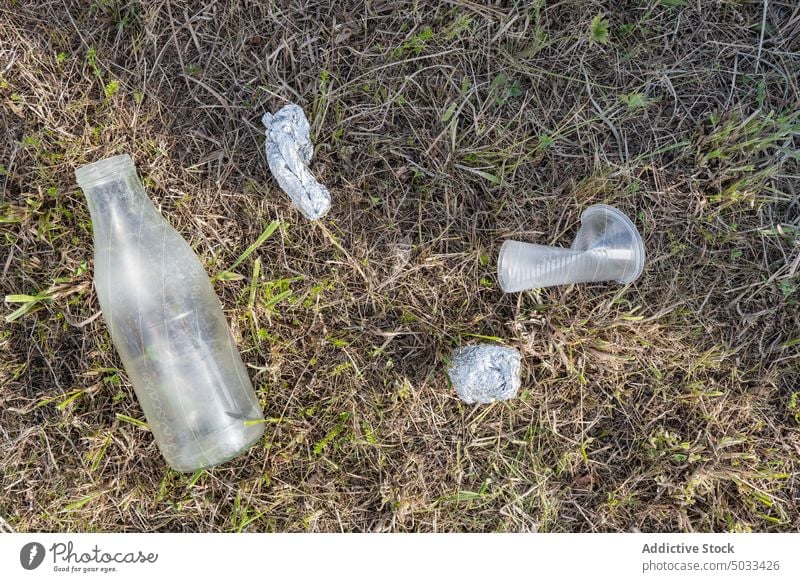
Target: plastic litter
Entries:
(289, 151)
(485, 373)
(167, 324)
(607, 248)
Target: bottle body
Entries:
(167, 325)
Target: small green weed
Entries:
(598, 29)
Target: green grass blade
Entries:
(251, 300)
(268, 232)
(133, 421)
(80, 503)
(277, 299)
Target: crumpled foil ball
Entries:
(289, 151)
(485, 373)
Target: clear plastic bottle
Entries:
(167, 325)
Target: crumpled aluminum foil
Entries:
(485, 373)
(289, 151)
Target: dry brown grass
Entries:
(667, 405)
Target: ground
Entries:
(441, 129)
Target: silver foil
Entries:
(289, 151)
(485, 373)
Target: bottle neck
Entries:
(117, 203)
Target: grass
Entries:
(441, 129)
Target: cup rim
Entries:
(639, 254)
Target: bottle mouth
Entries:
(104, 170)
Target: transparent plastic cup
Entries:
(607, 248)
(167, 324)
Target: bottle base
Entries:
(216, 448)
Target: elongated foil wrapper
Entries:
(485, 373)
(289, 151)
